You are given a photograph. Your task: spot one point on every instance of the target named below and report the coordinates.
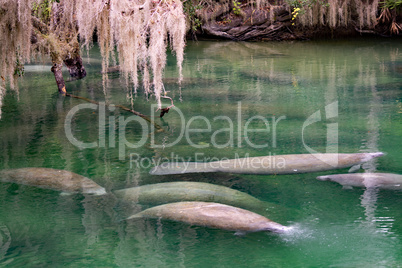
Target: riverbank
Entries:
(282, 22)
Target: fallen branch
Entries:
(361, 31)
(157, 127)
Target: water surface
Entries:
(269, 89)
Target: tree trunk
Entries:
(58, 75)
(75, 67)
(68, 48)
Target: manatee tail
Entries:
(183, 167)
(278, 228)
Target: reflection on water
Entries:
(370, 196)
(5, 240)
(238, 81)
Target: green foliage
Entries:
(236, 8)
(392, 4)
(190, 10)
(19, 68)
(42, 9)
(299, 6)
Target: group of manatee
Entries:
(205, 204)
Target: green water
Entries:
(231, 87)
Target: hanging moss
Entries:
(337, 13)
(2, 92)
(141, 31)
(15, 32)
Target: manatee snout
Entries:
(99, 191)
(378, 154)
(323, 178)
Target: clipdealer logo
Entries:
(237, 132)
(331, 112)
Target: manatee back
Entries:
(369, 180)
(350, 179)
(54, 179)
(170, 192)
(211, 215)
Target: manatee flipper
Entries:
(347, 187)
(355, 168)
(240, 233)
(65, 194)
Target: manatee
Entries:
(54, 179)
(273, 164)
(169, 192)
(369, 180)
(213, 215)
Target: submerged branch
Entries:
(165, 110)
(157, 127)
(58, 75)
